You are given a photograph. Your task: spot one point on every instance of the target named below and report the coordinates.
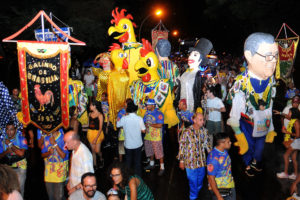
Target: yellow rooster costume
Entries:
(151, 86)
(118, 82)
(125, 29)
(104, 60)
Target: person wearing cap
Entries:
(154, 121)
(167, 69)
(191, 81)
(185, 116)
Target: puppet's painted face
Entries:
(105, 63)
(194, 60)
(263, 62)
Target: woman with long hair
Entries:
(293, 129)
(95, 134)
(129, 184)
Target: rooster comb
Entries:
(119, 15)
(146, 48)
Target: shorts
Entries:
(296, 144)
(91, 135)
(89, 91)
(121, 147)
(214, 127)
(154, 148)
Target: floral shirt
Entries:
(192, 145)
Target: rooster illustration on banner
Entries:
(43, 98)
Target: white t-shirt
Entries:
(132, 125)
(88, 80)
(262, 122)
(78, 195)
(214, 103)
(286, 111)
(81, 163)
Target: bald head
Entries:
(198, 120)
(72, 140)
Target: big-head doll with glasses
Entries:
(253, 126)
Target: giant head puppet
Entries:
(251, 124)
(191, 81)
(167, 68)
(123, 30)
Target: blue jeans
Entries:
(256, 144)
(55, 190)
(195, 177)
(133, 159)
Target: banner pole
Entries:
(285, 30)
(43, 28)
(279, 31)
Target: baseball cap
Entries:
(150, 102)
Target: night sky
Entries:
(226, 23)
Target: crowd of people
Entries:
(72, 156)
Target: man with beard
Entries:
(88, 190)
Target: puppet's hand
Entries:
(270, 136)
(241, 143)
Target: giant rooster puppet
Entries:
(124, 29)
(118, 82)
(151, 86)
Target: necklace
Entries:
(254, 97)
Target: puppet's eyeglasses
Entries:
(268, 58)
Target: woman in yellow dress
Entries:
(95, 134)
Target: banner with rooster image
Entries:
(287, 52)
(43, 68)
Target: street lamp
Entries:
(175, 33)
(158, 12)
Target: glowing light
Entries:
(158, 12)
(175, 33)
